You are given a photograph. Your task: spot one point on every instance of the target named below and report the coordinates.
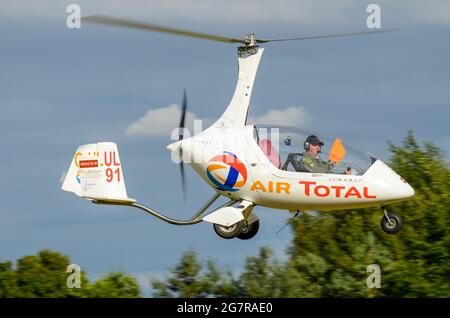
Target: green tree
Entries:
(8, 280)
(44, 275)
(344, 244)
(422, 262)
(189, 279)
(258, 278)
(114, 285)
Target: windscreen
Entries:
(286, 149)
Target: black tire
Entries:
(394, 227)
(228, 232)
(249, 231)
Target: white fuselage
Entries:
(266, 185)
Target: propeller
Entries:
(180, 137)
(248, 40)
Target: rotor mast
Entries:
(236, 113)
(250, 45)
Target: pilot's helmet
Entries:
(312, 140)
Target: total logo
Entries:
(226, 172)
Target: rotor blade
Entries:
(324, 36)
(183, 180)
(101, 19)
(183, 114)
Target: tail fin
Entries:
(96, 174)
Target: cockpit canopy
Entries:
(281, 144)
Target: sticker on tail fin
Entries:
(96, 173)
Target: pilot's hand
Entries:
(331, 163)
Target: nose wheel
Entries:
(390, 223)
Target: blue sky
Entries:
(61, 88)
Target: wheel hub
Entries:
(391, 223)
(228, 229)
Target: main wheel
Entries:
(249, 230)
(229, 232)
(392, 225)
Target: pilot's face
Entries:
(314, 149)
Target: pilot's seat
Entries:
(266, 147)
(295, 159)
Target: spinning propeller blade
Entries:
(183, 180)
(183, 115)
(180, 137)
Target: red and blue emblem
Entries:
(227, 172)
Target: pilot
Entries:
(309, 160)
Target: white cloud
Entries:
(159, 122)
(292, 116)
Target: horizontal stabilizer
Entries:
(112, 201)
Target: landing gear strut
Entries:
(390, 223)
